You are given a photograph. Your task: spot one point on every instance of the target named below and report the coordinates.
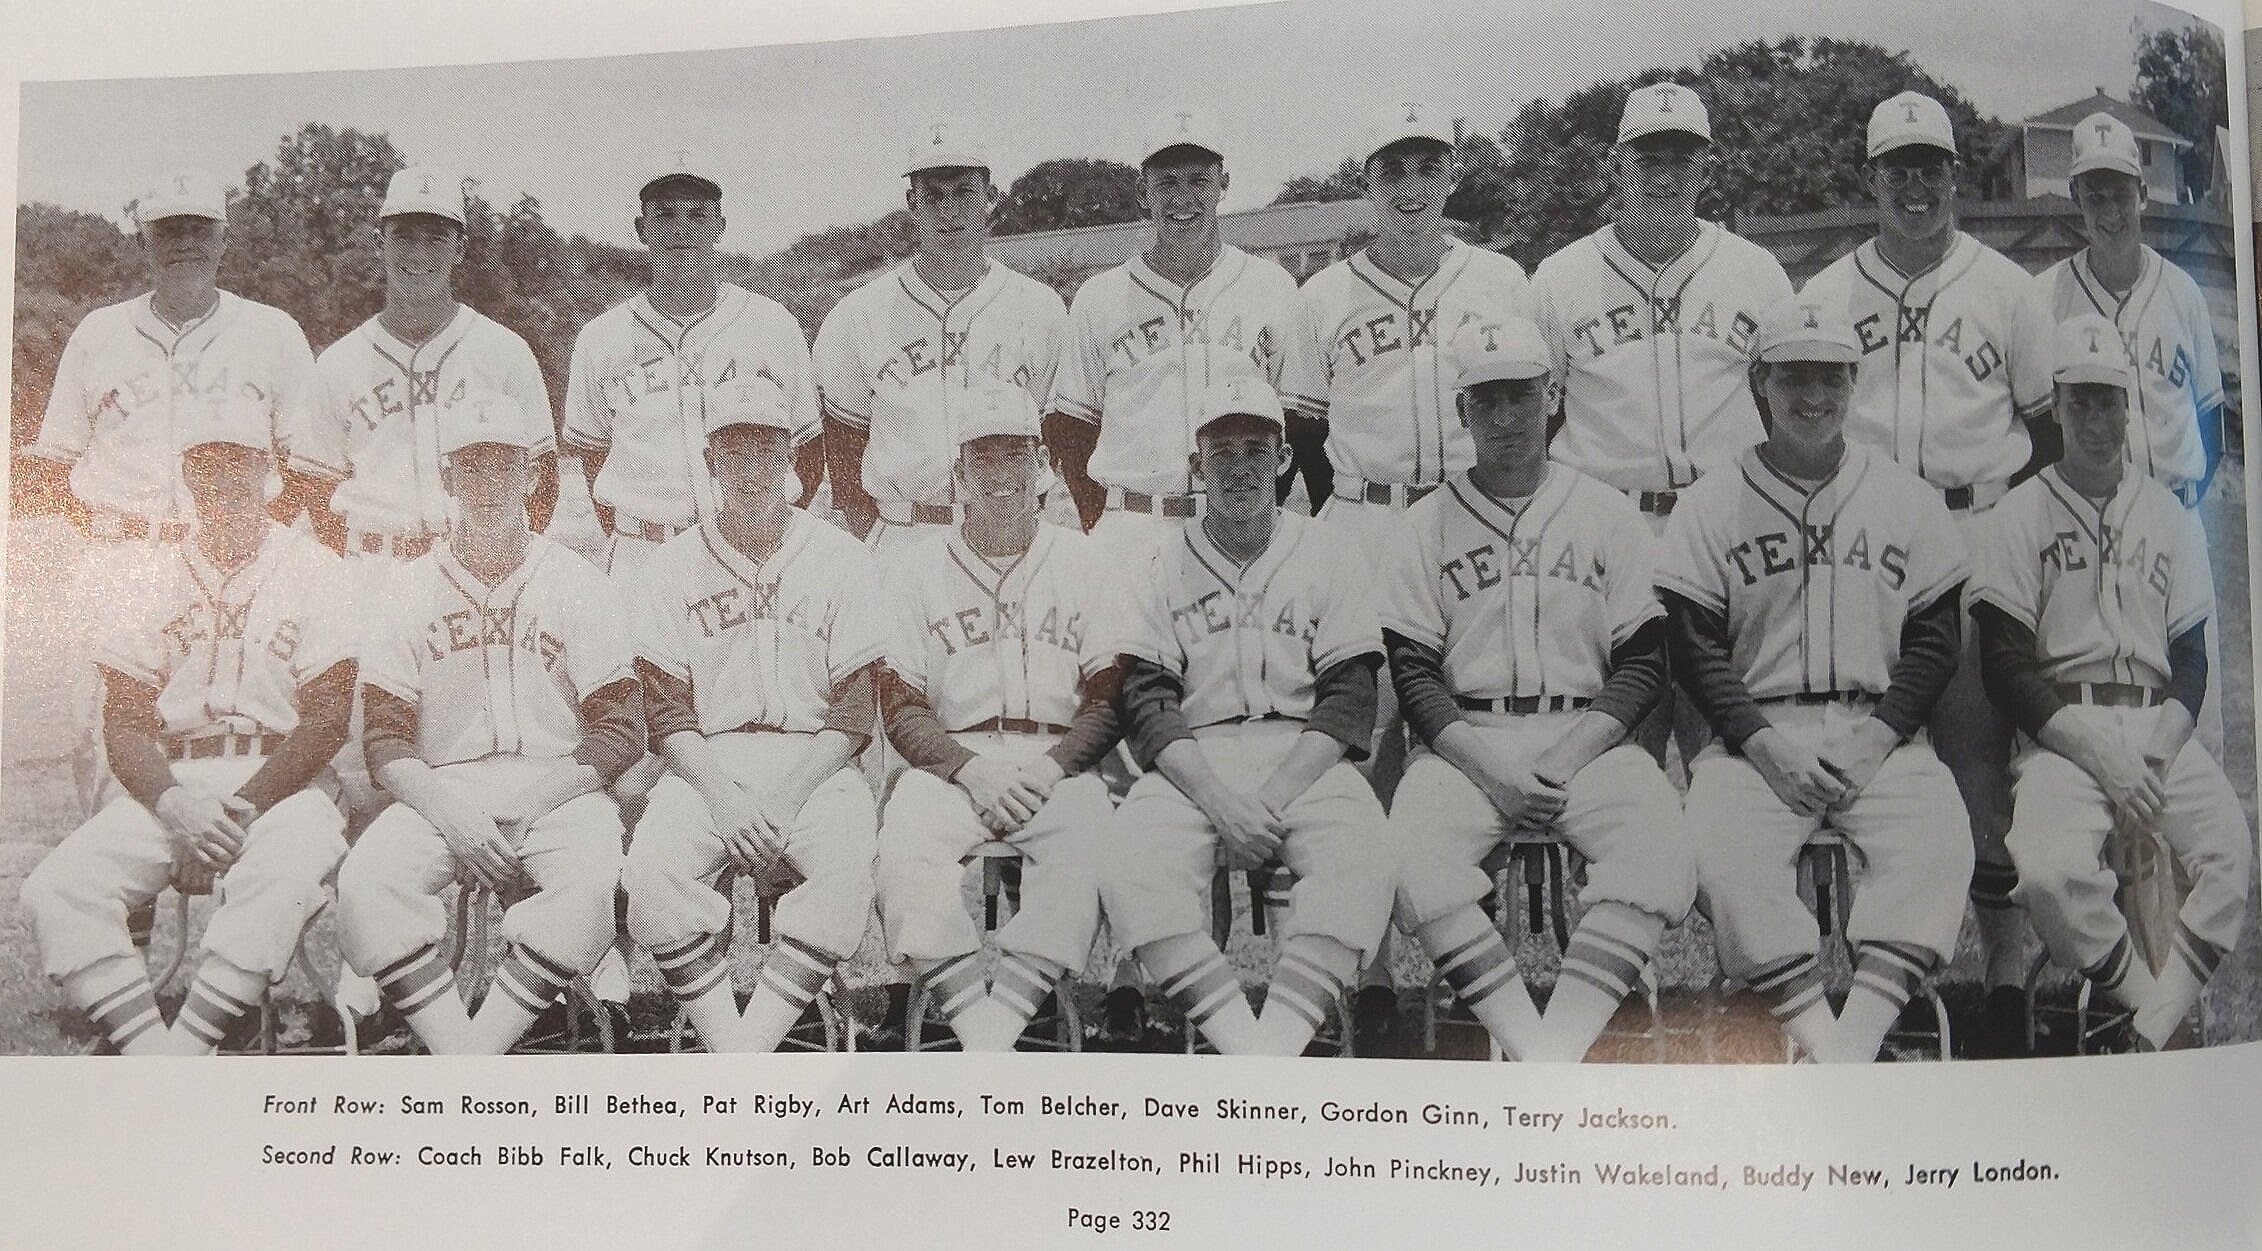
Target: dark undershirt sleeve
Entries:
(1638, 674)
(388, 727)
(1702, 664)
(1424, 697)
(1343, 704)
(1095, 729)
(612, 729)
(1152, 717)
(916, 732)
(667, 704)
(325, 715)
(130, 726)
(1931, 646)
(1307, 447)
(2012, 672)
(1072, 443)
(2187, 668)
(855, 708)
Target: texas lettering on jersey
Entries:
(221, 622)
(1487, 565)
(1148, 337)
(1217, 611)
(2071, 551)
(910, 360)
(1981, 357)
(480, 626)
(736, 607)
(1778, 552)
(1007, 621)
(1626, 323)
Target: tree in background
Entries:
(67, 265)
(1067, 193)
(1481, 199)
(1345, 182)
(2182, 80)
(301, 235)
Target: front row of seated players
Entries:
(1810, 598)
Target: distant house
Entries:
(1303, 238)
(2044, 158)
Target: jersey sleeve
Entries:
(298, 408)
(1689, 561)
(2206, 363)
(1348, 625)
(1046, 339)
(324, 452)
(137, 647)
(656, 617)
(907, 636)
(523, 383)
(1079, 385)
(67, 426)
(1629, 552)
(1098, 601)
(1408, 601)
(389, 644)
(2191, 582)
(1938, 562)
(1540, 305)
(588, 419)
(1295, 362)
(2005, 575)
(323, 620)
(844, 389)
(795, 375)
(1146, 631)
(859, 622)
(1318, 341)
(598, 653)
(2033, 329)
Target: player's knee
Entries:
(56, 895)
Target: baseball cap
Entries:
(1241, 395)
(422, 189)
(1806, 330)
(680, 165)
(487, 417)
(183, 194)
(1908, 120)
(2103, 141)
(232, 419)
(2091, 350)
(1409, 120)
(1497, 351)
(1663, 109)
(944, 145)
(997, 409)
(1183, 128)
(754, 401)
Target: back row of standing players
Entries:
(1649, 328)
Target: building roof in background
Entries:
(2145, 126)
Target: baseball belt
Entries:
(901, 513)
(378, 543)
(222, 746)
(1813, 699)
(649, 531)
(1523, 705)
(1657, 503)
(134, 528)
(1014, 725)
(1393, 494)
(2110, 694)
(1980, 495)
(1154, 505)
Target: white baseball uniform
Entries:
(227, 654)
(1525, 604)
(377, 435)
(1815, 586)
(895, 357)
(2105, 588)
(637, 391)
(762, 648)
(497, 676)
(1140, 352)
(1651, 361)
(2171, 341)
(1249, 644)
(1951, 359)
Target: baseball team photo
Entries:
(1280, 530)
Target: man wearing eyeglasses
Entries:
(1954, 384)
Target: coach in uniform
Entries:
(1248, 687)
(132, 379)
(899, 359)
(759, 637)
(1000, 692)
(1813, 588)
(501, 699)
(1954, 386)
(1527, 642)
(2092, 595)
(226, 694)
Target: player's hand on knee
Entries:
(477, 844)
(1248, 831)
(994, 787)
(200, 827)
(1524, 800)
(1040, 774)
(191, 877)
(739, 824)
(1794, 772)
(1855, 756)
(2132, 787)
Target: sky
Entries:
(808, 135)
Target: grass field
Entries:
(37, 809)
